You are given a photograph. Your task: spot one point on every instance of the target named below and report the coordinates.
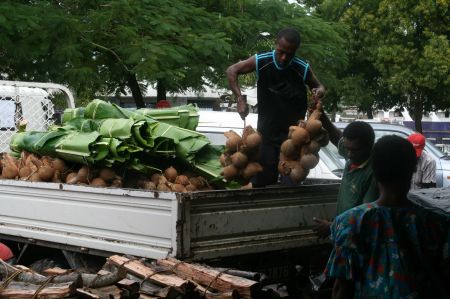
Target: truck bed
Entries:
(198, 225)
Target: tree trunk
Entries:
(161, 91)
(417, 114)
(135, 90)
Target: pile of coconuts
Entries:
(300, 152)
(171, 180)
(239, 161)
(30, 167)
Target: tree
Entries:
(104, 46)
(398, 51)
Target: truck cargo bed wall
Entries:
(104, 219)
(231, 223)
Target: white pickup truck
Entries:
(198, 225)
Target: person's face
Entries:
(356, 152)
(284, 51)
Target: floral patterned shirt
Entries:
(390, 252)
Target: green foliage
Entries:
(96, 47)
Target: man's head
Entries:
(394, 162)
(418, 142)
(358, 141)
(286, 44)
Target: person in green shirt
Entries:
(358, 184)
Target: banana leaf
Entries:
(74, 146)
(185, 116)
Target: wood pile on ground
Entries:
(126, 277)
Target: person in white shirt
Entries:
(425, 175)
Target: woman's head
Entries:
(394, 162)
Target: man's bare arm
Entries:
(313, 83)
(239, 68)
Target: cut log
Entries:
(137, 268)
(143, 296)
(85, 293)
(17, 289)
(32, 277)
(212, 278)
(130, 285)
(245, 274)
(55, 271)
(208, 294)
(108, 292)
(98, 281)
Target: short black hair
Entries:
(289, 34)
(361, 132)
(393, 160)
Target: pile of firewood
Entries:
(122, 277)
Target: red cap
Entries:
(418, 142)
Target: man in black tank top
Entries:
(282, 80)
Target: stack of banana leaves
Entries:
(105, 134)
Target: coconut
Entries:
(98, 182)
(25, 172)
(163, 187)
(46, 173)
(171, 174)
(57, 177)
(72, 178)
(59, 164)
(82, 176)
(302, 124)
(10, 172)
(285, 167)
(107, 174)
(300, 136)
(313, 147)
(309, 161)
(314, 126)
(289, 150)
(230, 172)
(298, 174)
(155, 178)
(178, 188)
(233, 141)
(251, 170)
(162, 180)
(117, 183)
(253, 141)
(35, 177)
(149, 185)
(182, 179)
(225, 159)
(323, 138)
(197, 182)
(239, 159)
(191, 188)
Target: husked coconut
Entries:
(251, 170)
(98, 182)
(107, 174)
(233, 141)
(46, 173)
(300, 136)
(182, 179)
(239, 159)
(178, 188)
(314, 126)
(253, 141)
(309, 161)
(313, 147)
(289, 149)
(72, 178)
(225, 159)
(171, 174)
(191, 188)
(155, 178)
(25, 172)
(298, 174)
(230, 172)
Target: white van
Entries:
(214, 123)
(27, 101)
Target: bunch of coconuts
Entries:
(30, 167)
(239, 159)
(300, 152)
(170, 180)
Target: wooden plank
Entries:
(19, 290)
(212, 278)
(137, 268)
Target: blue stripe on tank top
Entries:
(306, 72)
